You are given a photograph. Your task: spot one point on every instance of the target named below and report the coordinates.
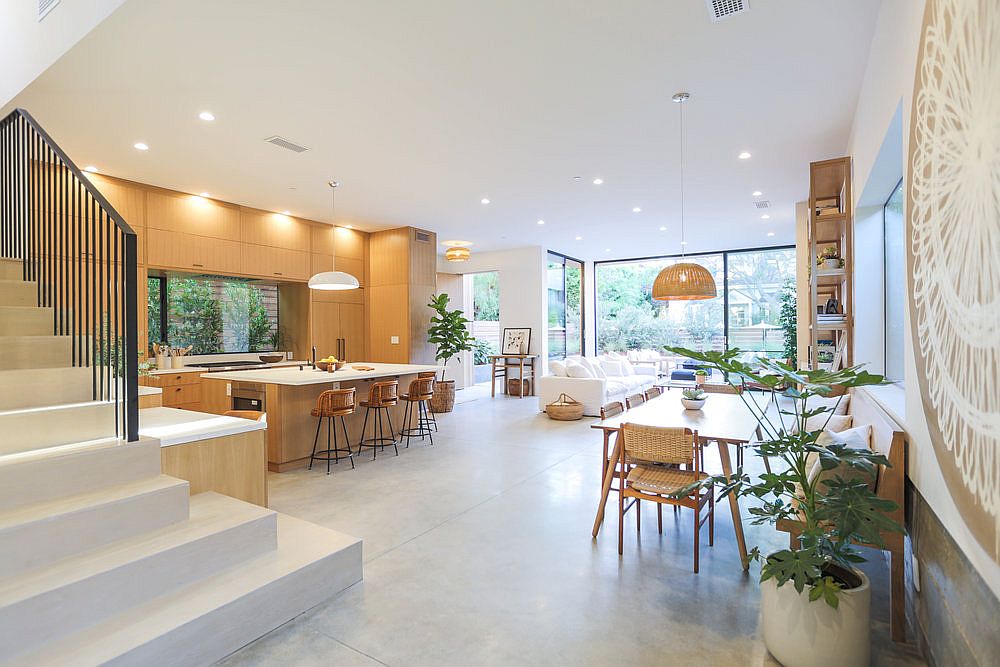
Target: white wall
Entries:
(28, 47)
(888, 86)
(523, 299)
(589, 310)
(460, 369)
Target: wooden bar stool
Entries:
(381, 396)
(419, 394)
(331, 404)
(430, 408)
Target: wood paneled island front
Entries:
(289, 395)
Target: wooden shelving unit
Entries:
(831, 223)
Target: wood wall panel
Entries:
(319, 263)
(275, 230)
(423, 258)
(390, 310)
(233, 465)
(127, 198)
(389, 257)
(350, 243)
(192, 215)
(323, 239)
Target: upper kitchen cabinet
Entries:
(190, 214)
(126, 198)
(349, 243)
(275, 230)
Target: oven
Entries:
(248, 396)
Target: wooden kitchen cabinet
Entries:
(339, 326)
(320, 263)
(188, 214)
(188, 252)
(275, 230)
(278, 263)
(180, 390)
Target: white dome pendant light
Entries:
(683, 281)
(333, 280)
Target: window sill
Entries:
(892, 399)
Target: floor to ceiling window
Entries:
(745, 313)
(564, 282)
(895, 283)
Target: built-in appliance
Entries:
(248, 396)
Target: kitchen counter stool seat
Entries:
(381, 396)
(419, 394)
(430, 408)
(331, 404)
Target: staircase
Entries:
(102, 558)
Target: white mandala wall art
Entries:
(953, 198)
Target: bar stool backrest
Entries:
(336, 402)
(383, 394)
(421, 389)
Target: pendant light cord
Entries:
(683, 245)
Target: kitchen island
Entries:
(288, 394)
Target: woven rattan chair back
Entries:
(421, 389)
(612, 409)
(659, 444)
(720, 389)
(383, 394)
(634, 401)
(653, 392)
(335, 403)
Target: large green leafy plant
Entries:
(834, 513)
(448, 331)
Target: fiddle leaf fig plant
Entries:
(833, 514)
(448, 331)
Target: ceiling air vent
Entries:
(46, 6)
(762, 203)
(285, 143)
(422, 237)
(719, 10)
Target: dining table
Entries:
(725, 420)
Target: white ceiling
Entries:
(421, 109)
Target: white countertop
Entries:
(149, 391)
(295, 377)
(175, 427)
(192, 369)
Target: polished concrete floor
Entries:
(478, 552)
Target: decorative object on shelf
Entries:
(693, 399)
(832, 306)
(829, 258)
(953, 292)
(565, 409)
(333, 280)
(516, 340)
(700, 376)
(449, 332)
(813, 585)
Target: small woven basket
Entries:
(565, 409)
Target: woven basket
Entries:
(565, 409)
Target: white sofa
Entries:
(605, 379)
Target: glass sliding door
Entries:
(756, 279)
(564, 286)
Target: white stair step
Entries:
(10, 269)
(38, 535)
(202, 624)
(77, 593)
(44, 475)
(38, 428)
(25, 321)
(40, 387)
(18, 293)
(35, 351)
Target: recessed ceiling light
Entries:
(541, 222)
(663, 229)
(579, 238)
(349, 226)
(765, 217)
(636, 209)
(455, 243)
(206, 115)
(484, 200)
(286, 213)
(91, 168)
(770, 233)
(577, 178)
(203, 194)
(607, 250)
(139, 146)
(757, 193)
(598, 181)
(684, 242)
(744, 155)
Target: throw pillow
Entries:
(858, 437)
(627, 367)
(838, 404)
(578, 371)
(558, 368)
(612, 367)
(598, 371)
(836, 424)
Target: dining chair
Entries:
(418, 394)
(656, 454)
(634, 401)
(720, 388)
(612, 409)
(381, 396)
(331, 404)
(609, 410)
(653, 392)
(430, 408)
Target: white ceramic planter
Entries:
(800, 633)
(831, 263)
(690, 404)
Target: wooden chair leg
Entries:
(897, 596)
(659, 517)
(711, 517)
(621, 522)
(638, 517)
(697, 530)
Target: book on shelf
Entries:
(827, 212)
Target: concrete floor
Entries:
(478, 552)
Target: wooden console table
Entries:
(503, 363)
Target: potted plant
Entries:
(829, 258)
(693, 399)
(815, 605)
(449, 332)
(700, 376)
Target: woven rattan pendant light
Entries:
(683, 281)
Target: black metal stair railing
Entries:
(82, 256)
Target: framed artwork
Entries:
(515, 341)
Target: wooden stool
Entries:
(430, 408)
(331, 404)
(419, 394)
(381, 396)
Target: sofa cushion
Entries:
(615, 388)
(839, 404)
(627, 367)
(858, 437)
(836, 424)
(612, 367)
(557, 368)
(575, 370)
(598, 371)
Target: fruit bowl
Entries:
(271, 358)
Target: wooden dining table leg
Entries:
(609, 475)
(493, 378)
(734, 505)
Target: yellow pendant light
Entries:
(683, 281)
(457, 254)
